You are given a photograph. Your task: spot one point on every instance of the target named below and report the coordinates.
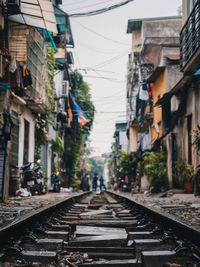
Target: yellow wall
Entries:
(159, 91)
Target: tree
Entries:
(96, 166)
(74, 140)
(126, 167)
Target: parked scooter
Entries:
(32, 179)
(39, 178)
(55, 180)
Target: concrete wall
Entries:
(136, 41)
(152, 54)
(133, 146)
(173, 76)
(161, 28)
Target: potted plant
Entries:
(185, 173)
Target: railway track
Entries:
(98, 229)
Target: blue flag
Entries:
(80, 117)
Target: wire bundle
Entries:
(100, 11)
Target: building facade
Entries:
(30, 43)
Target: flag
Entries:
(80, 117)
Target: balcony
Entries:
(190, 42)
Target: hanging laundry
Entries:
(13, 65)
(21, 92)
(146, 141)
(143, 92)
(4, 86)
(27, 80)
(14, 78)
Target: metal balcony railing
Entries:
(190, 37)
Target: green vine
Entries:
(40, 134)
(57, 146)
(50, 85)
(81, 93)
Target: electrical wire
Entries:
(74, 3)
(100, 11)
(107, 97)
(90, 5)
(98, 77)
(104, 37)
(109, 61)
(88, 69)
(96, 50)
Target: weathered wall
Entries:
(159, 90)
(173, 76)
(136, 41)
(161, 28)
(133, 139)
(152, 54)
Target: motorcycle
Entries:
(32, 179)
(55, 180)
(39, 178)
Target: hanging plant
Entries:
(40, 134)
(57, 146)
(50, 85)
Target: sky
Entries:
(101, 55)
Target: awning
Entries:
(36, 13)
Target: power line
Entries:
(106, 38)
(74, 3)
(91, 5)
(88, 69)
(102, 97)
(109, 61)
(100, 51)
(100, 11)
(98, 77)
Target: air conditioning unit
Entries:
(65, 88)
(1, 66)
(12, 6)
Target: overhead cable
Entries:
(106, 38)
(90, 5)
(109, 61)
(100, 11)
